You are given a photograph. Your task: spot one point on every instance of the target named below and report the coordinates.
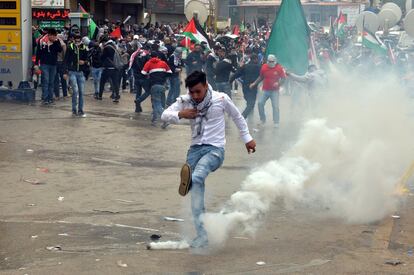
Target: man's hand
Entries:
(251, 86)
(188, 113)
(251, 146)
(81, 62)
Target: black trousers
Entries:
(113, 75)
(250, 96)
(60, 81)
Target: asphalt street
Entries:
(84, 196)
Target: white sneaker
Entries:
(276, 125)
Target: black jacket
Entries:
(107, 57)
(173, 66)
(47, 55)
(248, 72)
(199, 62)
(210, 65)
(138, 64)
(223, 70)
(72, 57)
(95, 56)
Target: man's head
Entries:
(77, 39)
(178, 52)
(271, 60)
(216, 48)
(52, 34)
(222, 53)
(197, 48)
(197, 85)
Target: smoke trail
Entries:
(168, 245)
(349, 170)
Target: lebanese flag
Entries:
(195, 33)
(116, 33)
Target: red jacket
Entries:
(157, 70)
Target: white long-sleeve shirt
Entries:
(214, 126)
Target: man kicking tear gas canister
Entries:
(206, 110)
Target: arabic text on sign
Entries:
(51, 14)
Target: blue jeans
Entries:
(141, 83)
(157, 95)
(202, 159)
(274, 97)
(96, 75)
(224, 87)
(77, 81)
(48, 81)
(174, 91)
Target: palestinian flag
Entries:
(340, 25)
(370, 41)
(194, 33)
(92, 29)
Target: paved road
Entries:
(118, 179)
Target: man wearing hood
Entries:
(77, 64)
(109, 70)
(206, 110)
(272, 74)
(158, 71)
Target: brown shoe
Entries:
(185, 183)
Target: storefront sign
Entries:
(50, 14)
(48, 3)
(59, 25)
(165, 6)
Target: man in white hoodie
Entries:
(206, 110)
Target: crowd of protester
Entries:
(148, 60)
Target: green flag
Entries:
(93, 29)
(289, 39)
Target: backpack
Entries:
(117, 62)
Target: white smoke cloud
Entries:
(345, 162)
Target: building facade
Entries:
(319, 12)
(162, 11)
